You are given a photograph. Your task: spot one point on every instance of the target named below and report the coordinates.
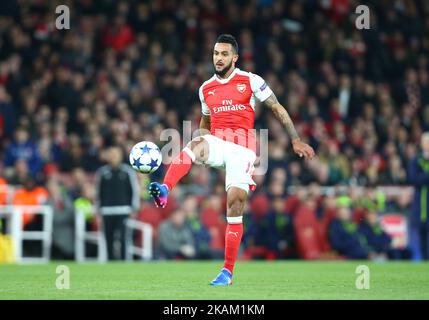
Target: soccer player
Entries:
(228, 112)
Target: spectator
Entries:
(344, 237)
(50, 152)
(418, 175)
(264, 236)
(283, 229)
(63, 220)
(74, 156)
(395, 174)
(7, 114)
(25, 149)
(3, 192)
(175, 239)
(118, 35)
(117, 198)
(20, 173)
(200, 233)
(373, 200)
(377, 240)
(332, 94)
(84, 204)
(30, 195)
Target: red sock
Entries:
(233, 234)
(179, 168)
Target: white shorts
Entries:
(237, 161)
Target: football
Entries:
(145, 157)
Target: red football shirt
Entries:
(230, 103)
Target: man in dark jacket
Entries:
(200, 232)
(418, 175)
(269, 229)
(23, 148)
(378, 240)
(344, 237)
(175, 239)
(117, 198)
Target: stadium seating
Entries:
(311, 235)
(327, 217)
(216, 225)
(291, 204)
(259, 205)
(307, 232)
(152, 216)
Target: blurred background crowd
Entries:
(127, 70)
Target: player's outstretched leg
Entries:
(197, 149)
(236, 199)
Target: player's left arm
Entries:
(299, 147)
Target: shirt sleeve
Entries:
(260, 88)
(204, 108)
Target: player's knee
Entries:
(235, 203)
(236, 200)
(236, 207)
(199, 147)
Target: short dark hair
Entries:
(227, 38)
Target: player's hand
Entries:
(302, 149)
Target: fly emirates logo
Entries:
(227, 105)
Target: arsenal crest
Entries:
(241, 87)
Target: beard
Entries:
(223, 71)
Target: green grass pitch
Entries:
(190, 280)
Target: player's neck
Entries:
(226, 75)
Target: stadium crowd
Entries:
(127, 70)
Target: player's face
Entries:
(224, 58)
